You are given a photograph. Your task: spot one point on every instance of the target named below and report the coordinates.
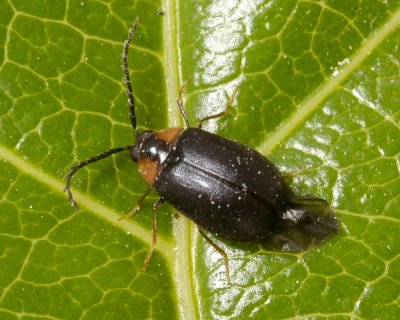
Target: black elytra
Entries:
(225, 187)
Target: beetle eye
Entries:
(135, 151)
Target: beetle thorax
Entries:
(152, 149)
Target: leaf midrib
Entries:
(181, 266)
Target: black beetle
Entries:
(225, 187)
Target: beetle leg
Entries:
(221, 252)
(291, 175)
(222, 113)
(137, 206)
(84, 163)
(180, 103)
(154, 242)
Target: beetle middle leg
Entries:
(222, 113)
(154, 241)
(221, 252)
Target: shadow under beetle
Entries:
(223, 186)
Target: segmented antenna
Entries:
(127, 79)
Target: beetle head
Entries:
(150, 146)
(136, 149)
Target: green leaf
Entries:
(319, 87)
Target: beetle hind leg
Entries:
(221, 252)
(291, 175)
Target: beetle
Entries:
(226, 188)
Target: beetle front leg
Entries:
(137, 206)
(179, 101)
(221, 252)
(154, 242)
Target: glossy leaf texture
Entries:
(318, 93)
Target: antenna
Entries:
(127, 79)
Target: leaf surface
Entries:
(318, 94)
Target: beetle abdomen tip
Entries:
(307, 220)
